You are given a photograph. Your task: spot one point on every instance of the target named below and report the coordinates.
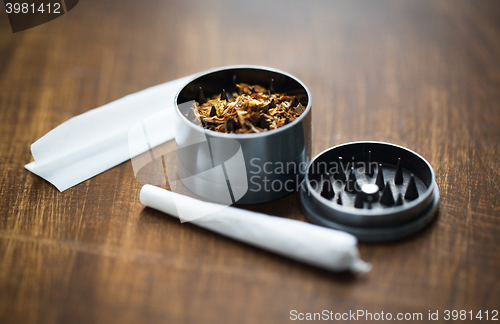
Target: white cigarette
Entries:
(315, 245)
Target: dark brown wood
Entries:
(422, 74)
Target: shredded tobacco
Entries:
(253, 109)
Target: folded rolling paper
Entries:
(97, 140)
(315, 245)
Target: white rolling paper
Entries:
(98, 140)
(315, 245)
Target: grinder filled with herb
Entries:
(252, 109)
(238, 126)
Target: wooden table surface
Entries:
(422, 74)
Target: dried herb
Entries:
(253, 109)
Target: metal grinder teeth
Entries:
(399, 202)
(400, 199)
(272, 105)
(271, 87)
(340, 174)
(339, 199)
(213, 112)
(201, 97)
(358, 202)
(398, 177)
(263, 122)
(223, 96)
(411, 191)
(352, 185)
(369, 167)
(235, 88)
(387, 198)
(327, 191)
(380, 178)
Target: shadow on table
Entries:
(269, 260)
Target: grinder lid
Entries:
(374, 190)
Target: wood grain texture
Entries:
(422, 74)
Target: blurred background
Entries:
(422, 74)
(355, 56)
